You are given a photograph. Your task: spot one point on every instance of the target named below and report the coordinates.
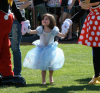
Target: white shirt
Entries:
(18, 4)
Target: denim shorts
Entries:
(68, 11)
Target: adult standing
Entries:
(17, 36)
(90, 33)
(39, 7)
(6, 21)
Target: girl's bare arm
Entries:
(61, 35)
(33, 32)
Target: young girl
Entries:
(46, 56)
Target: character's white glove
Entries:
(25, 27)
(65, 26)
(70, 21)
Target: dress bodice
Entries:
(47, 38)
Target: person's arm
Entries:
(26, 4)
(71, 5)
(81, 12)
(90, 1)
(61, 35)
(87, 5)
(33, 32)
(25, 23)
(17, 13)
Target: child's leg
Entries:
(43, 77)
(50, 76)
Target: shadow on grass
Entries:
(39, 85)
(83, 81)
(28, 85)
(67, 89)
(71, 89)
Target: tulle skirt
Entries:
(44, 58)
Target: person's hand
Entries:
(69, 7)
(87, 5)
(25, 27)
(31, 7)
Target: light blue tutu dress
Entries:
(46, 55)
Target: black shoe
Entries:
(13, 80)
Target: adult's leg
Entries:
(96, 64)
(96, 60)
(62, 17)
(15, 46)
(5, 56)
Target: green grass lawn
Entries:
(73, 77)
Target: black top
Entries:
(81, 12)
(4, 6)
(92, 1)
(36, 2)
(78, 15)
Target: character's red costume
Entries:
(6, 20)
(5, 56)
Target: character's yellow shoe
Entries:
(98, 81)
(94, 81)
(99, 78)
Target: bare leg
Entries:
(70, 30)
(62, 17)
(43, 77)
(70, 33)
(50, 76)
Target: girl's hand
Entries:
(87, 5)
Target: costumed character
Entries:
(90, 34)
(6, 20)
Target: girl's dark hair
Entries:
(52, 20)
